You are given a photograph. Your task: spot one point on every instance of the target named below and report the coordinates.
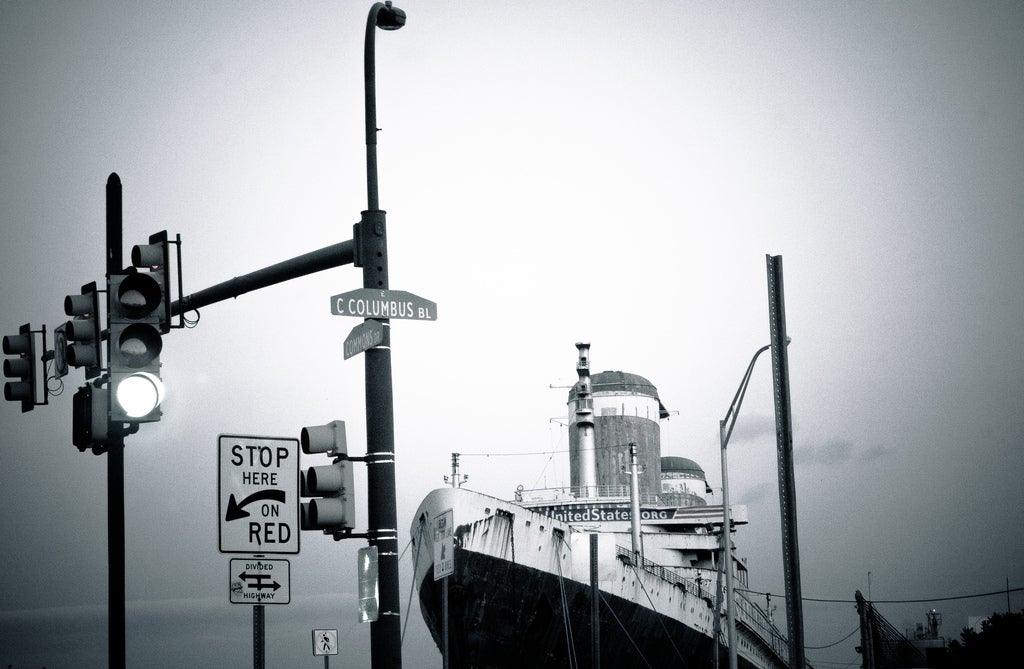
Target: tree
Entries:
(998, 639)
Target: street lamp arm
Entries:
(737, 400)
(386, 17)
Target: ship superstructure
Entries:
(632, 522)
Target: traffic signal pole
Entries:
(372, 255)
(115, 465)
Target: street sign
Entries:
(376, 303)
(259, 494)
(363, 337)
(260, 581)
(444, 546)
(325, 642)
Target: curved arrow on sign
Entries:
(235, 510)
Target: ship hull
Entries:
(520, 597)
(503, 615)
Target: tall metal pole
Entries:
(259, 627)
(595, 611)
(730, 610)
(371, 253)
(787, 478)
(115, 466)
(724, 432)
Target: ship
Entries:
(623, 567)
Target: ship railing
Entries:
(750, 614)
(665, 573)
(571, 494)
(754, 618)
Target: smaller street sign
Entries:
(375, 303)
(259, 581)
(444, 546)
(363, 337)
(325, 642)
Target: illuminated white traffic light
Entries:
(138, 313)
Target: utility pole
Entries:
(371, 253)
(787, 477)
(115, 466)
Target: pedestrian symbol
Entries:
(325, 642)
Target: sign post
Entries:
(444, 566)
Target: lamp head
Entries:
(390, 18)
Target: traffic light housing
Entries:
(22, 368)
(155, 256)
(138, 313)
(83, 331)
(333, 507)
(90, 418)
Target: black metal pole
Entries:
(371, 252)
(787, 478)
(258, 636)
(115, 466)
(595, 611)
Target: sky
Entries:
(607, 172)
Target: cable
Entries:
(415, 561)
(891, 601)
(855, 630)
(573, 662)
(653, 608)
(624, 630)
(551, 452)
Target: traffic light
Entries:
(84, 330)
(156, 257)
(333, 510)
(90, 418)
(138, 313)
(22, 368)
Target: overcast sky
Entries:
(553, 172)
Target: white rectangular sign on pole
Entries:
(444, 545)
(260, 581)
(259, 494)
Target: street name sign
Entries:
(376, 303)
(258, 494)
(363, 337)
(260, 581)
(444, 545)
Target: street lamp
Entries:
(386, 17)
(724, 432)
(370, 249)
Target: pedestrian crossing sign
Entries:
(325, 642)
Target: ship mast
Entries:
(456, 480)
(585, 425)
(634, 499)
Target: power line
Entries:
(893, 601)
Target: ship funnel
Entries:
(585, 425)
